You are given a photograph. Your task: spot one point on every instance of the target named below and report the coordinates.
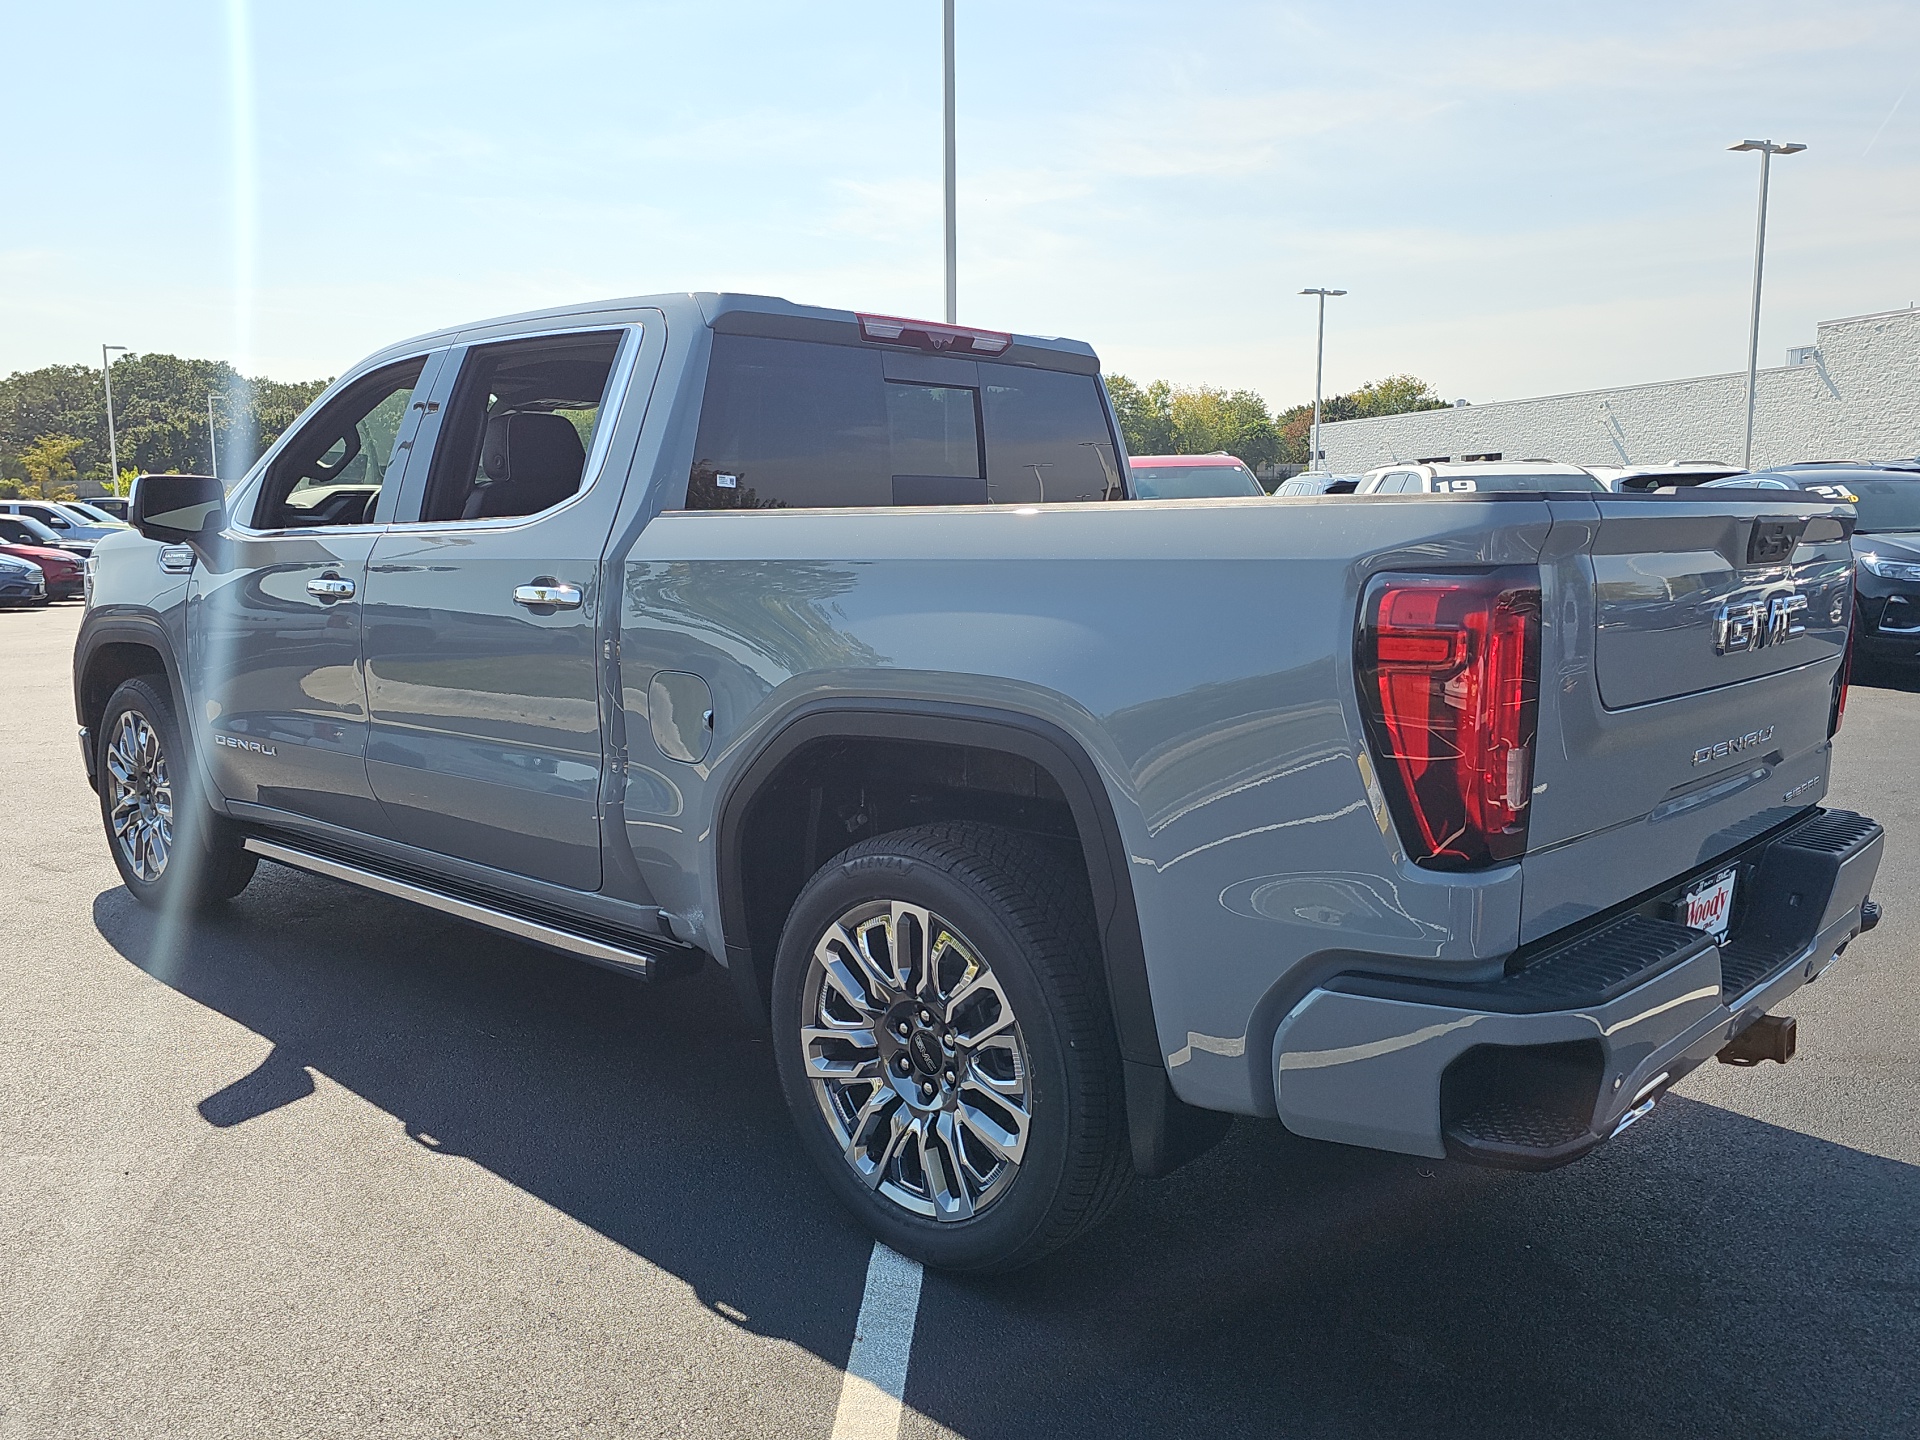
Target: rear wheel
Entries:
(943, 1043)
(168, 845)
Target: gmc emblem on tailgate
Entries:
(1752, 624)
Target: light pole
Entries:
(113, 445)
(213, 445)
(953, 234)
(1767, 151)
(1319, 362)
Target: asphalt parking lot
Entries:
(325, 1164)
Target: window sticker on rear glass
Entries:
(1834, 492)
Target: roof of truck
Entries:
(732, 313)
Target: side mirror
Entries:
(179, 509)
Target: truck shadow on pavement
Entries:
(1708, 1274)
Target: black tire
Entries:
(204, 862)
(1022, 903)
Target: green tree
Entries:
(1395, 395)
(1207, 418)
(1145, 414)
(1294, 426)
(160, 414)
(48, 461)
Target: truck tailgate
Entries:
(1689, 650)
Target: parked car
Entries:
(113, 506)
(711, 629)
(25, 530)
(1886, 545)
(65, 572)
(68, 524)
(1629, 479)
(92, 510)
(1467, 477)
(1318, 482)
(21, 582)
(1191, 477)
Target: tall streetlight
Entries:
(1767, 151)
(953, 234)
(113, 444)
(213, 444)
(1319, 362)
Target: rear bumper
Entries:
(1545, 1064)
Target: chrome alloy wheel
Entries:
(142, 796)
(916, 1060)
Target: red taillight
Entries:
(1449, 680)
(1841, 680)
(926, 335)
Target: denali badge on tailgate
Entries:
(1751, 740)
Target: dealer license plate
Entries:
(1709, 905)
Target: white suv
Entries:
(1469, 476)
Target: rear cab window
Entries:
(804, 424)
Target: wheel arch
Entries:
(1165, 1132)
(112, 649)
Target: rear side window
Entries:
(1046, 437)
(795, 424)
(516, 437)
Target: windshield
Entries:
(87, 512)
(1192, 482)
(1886, 503)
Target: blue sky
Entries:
(1522, 199)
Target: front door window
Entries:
(333, 470)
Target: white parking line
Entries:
(882, 1346)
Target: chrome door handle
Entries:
(548, 593)
(329, 588)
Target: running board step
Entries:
(648, 959)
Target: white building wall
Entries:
(1859, 399)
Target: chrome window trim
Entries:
(615, 396)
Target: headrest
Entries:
(533, 460)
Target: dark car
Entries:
(25, 530)
(1886, 545)
(65, 571)
(1318, 482)
(21, 582)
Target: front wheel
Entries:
(943, 1043)
(169, 846)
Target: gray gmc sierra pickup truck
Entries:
(1047, 828)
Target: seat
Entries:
(531, 461)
